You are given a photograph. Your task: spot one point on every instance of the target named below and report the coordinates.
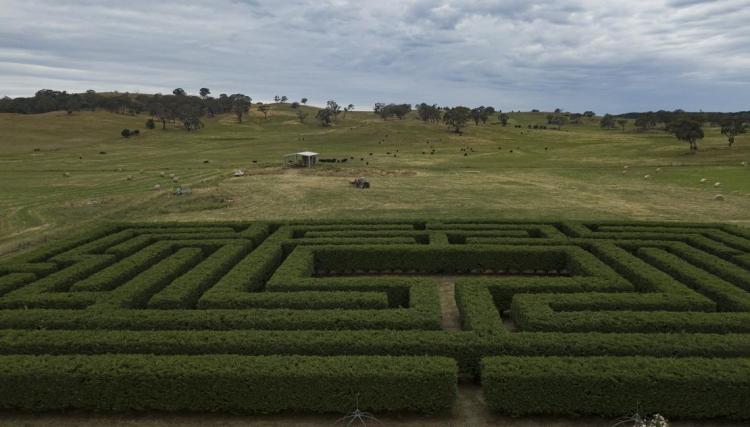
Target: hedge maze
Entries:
(550, 318)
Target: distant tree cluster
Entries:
(177, 108)
(386, 111)
(685, 126)
(481, 114)
(429, 113)
(328, 115)
(457, 118)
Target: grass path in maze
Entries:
(451, 320)
(469, 411)
(574, 173)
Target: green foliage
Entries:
(733, 126)
(688, 130)
(573, 304)
(457, 117)
(607, 122)
(429, 113)
(386, 111)
(240, 384)
(612, 386)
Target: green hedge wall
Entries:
(227, 383)
(616, 386)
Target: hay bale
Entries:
(162, 173)
(129, 177)
(717, 184)
(626, 167)
(157, 187)
(66, 174)
(719, 198)
(703, 180)
(658, 170)
(175, 178)
(744, 164)
(647, 176)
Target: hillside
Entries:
(84, 172)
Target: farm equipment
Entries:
(360, 182)
(182, 190)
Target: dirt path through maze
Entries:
(450, 319)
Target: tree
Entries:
(301, 116)
(503, 118)
(276, 99)
(429, 113)
(303, 101)
(400, 110)
(488, 111)
(559, 120)
(688, 130)
(334, 108)
(284, 99)
(326, 117)
(73, 103)
(645, 122)
(295, 105)
(347, 109)
(160, 111)
(179, 92)
(480, 114)
(125, 133)
(191, 122)
(240, 105)
(622, 123)
(607, 122)
(731, 127)
(265, 109)
(204, 92)
(380, 110)
(589, 114)
(150, 124)
(576, 118)
(457, 118)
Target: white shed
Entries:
(305, 159)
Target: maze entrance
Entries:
(669, 300)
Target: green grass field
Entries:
(574, 173)
(84, 173)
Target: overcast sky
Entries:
(610, 56)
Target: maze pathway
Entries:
(557, 318)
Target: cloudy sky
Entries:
(606, 55)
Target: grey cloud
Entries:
(578, 54)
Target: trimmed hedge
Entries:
(136, 292)
(727, 296)
(613, 386)
(621, 313)
(13, 281)
(185, 290)
(277, 319)
(428, 259)
(241, 384)
(465, 347)
(49, 291)
(289, 293)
